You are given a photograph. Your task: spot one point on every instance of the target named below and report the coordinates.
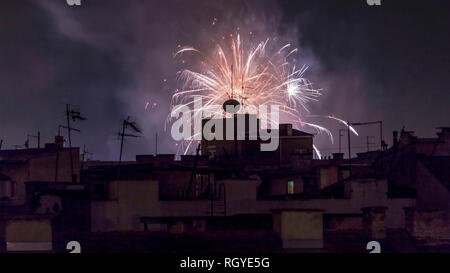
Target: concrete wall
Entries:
(368, 192)
(137, 199)
(327, 176)
(290, 145)
(130, 200)
(395, 214)
(111, 215)
(43, 168)
(36, 165)
(18, 172)
(134, 200)
(430, 227)
(299, 228)
(172, 183)
(374, 222)
(406, 169)
(240, 189)
(343, 222)
(28, 234)
(431, 193)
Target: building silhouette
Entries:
(230, 197)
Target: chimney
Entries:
(444, 134)
(59, 141)
(285, 129)
(395, 139)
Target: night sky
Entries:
(388, 62)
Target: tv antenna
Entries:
(74, 115)
(131, 126)
(38, 137)
(380, 123)
(85, 156)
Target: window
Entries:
(7, 189)
(290, 187)
(198, 184)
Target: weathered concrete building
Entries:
(51, 163)
(26, 217)
(245, 144)
(227, 202)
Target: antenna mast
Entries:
(38, 137)
(74, 115)
(232, 94)
(125, 124)
(156, 144)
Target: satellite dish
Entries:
(231, 106)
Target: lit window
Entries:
(290, 187)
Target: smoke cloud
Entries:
(114, 59)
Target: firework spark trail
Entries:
(319, 155)
(251, 77)
(339, 120)
(345, 123)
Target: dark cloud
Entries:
(379, 63)
(111, 57)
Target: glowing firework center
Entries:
(242, 76)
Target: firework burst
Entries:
(252, 75)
